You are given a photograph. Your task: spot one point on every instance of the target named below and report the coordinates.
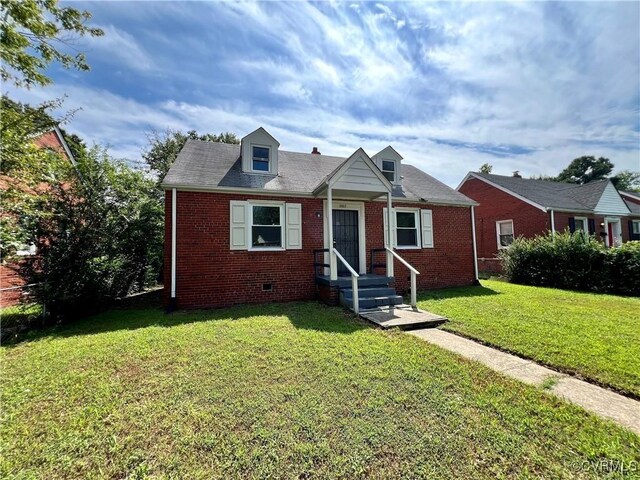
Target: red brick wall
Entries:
(50, 140)
(209, 274)
(10, 277)
(449, 263)
(496, 205)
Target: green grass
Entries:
(280, 391)
(22, 314)
(591, 335)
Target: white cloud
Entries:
(119, 47)
(445, 83)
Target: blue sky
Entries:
(525, 86)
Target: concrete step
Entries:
(380, 291)
(403, 317)
(372, 302)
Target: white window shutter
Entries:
(293, 217)
(426, 217)
(385, 221)
(238, 224)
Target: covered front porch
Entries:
(341, 267)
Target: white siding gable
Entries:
(611, 202)
(360, 176)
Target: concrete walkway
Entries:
(622, 410)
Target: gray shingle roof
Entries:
(548, 194)
(210, 166)
(633, 207)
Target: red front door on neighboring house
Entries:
(610, 236)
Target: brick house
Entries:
(253, 223)
(12, 285)
(632, 199)
(511, 207)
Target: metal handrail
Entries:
(354, 280)
(413, 271)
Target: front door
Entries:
(614, 234)
(345, 239)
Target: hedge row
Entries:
(574, 262)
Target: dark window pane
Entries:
(405, 219)
(266, 215)
(388, 166)
(390, 176)
(261, 165)
(266, 236)
(407, 237)
(261, 153)
(506, 240)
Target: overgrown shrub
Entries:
(100, 239)
(575, 262)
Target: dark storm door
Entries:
(345, 239)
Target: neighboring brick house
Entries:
(511, 207)
(632, 199)
(11, 283)
(253, 223)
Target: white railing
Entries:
(354, 280)
(413, 271)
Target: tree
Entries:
(33, 33)
(164, 147)
(103, 240)
(26, 170)
(586, 169)
(486, 168)
(627, 180)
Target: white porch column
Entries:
(389, 235)
(333, 270)
(553, 224)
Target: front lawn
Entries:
(592, 335)
(280, 391)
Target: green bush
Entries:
(574, 262)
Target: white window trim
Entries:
(416, 214)
(260, 203)
(268, 147)
(585, 223)
(395, 169)
(513, 232)
(633, 226)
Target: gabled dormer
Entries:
(259, 152)
(390, 162)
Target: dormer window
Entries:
(389, 170)
(260, 159)
(259, 153)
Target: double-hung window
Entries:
(260, 159)
(505, 233)
(389, 170)
(581, 224)
(266, 226)
(635, 227)
(407, 228)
